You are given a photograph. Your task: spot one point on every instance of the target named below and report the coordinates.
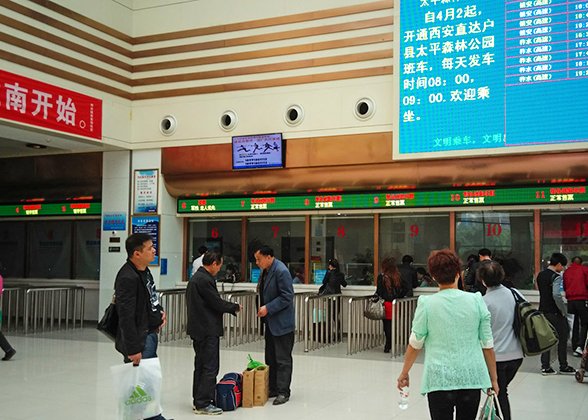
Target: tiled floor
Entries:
(65, 375)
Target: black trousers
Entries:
(506, 372)
(278, 356)
(206, 365)
(560, 324)
(465, 402)
(580, 329)
(388, 332)
(4, 344)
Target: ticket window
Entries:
(222, 235)
(12, 249)
(565, 232)
(285, 235)
(509, 235)
(415, 235)
(49, 250)
(87, 249)
(349, 239)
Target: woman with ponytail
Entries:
(389, 287)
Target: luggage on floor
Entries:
(229, 391)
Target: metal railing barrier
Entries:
(362, 333)
(322, 321)
(402, 324)
(176, 313)
(12, 304)
(246, 326)
(46, 306)
(299, 312)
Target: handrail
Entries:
(43, 305)
(11, 302)
(402, 316)
(176, 312)
(300, 314)
(246, 326)
(362, 333)
(322, 321)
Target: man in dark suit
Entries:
(472, 280)
(409, 274)
(276, 309)
(205, 326)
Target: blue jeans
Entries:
(150, 350)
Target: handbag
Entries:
(138, 389)
(491, 408)
(375, 308)
(108, 325)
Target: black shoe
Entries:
(548, 371)
(567, 370)
(9, 354)
(281, 399)
(386, 350)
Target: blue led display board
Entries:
(487, 74)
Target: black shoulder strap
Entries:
(517, 297)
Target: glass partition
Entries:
(349, 239)
(416, 235)
(508, 234)
(565, 232)
(285, 235)
(222, 235)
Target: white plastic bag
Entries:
(138, 389)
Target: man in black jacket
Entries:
(139, 312)
(205, 326)
(409, 274)
(552, 305)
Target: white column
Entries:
(171, 228)
(116, 185)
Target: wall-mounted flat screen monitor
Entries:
(259, 152)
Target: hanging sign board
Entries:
(29, 101)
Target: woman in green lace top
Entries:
(454, 327)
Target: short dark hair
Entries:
(212, 256)
(136, 242)
(558, 258)
(444, 265)
(335, 264)
(421, 270)
(266, 250)
(577, 259)
(407, 259)
(202, 250)
(491, 273)
(485, 252)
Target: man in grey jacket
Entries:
(276, 309)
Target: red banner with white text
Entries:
(43, 105)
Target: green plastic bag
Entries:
(253, 364)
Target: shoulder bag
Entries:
(108, 325)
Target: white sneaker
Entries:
(578, 352)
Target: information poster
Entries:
(487, 74)
(151, 226)
(146, 191)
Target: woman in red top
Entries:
(389, 287)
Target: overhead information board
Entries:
(50, 209)
(487, 74)
(395, 199)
